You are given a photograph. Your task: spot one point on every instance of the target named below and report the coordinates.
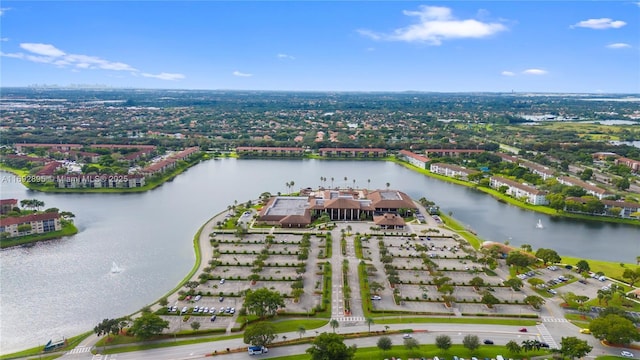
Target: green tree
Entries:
(370, 322)
(632, 276)
(384, 343)
(301, 331)
(586, 174)
(164, 301)
(471, 342)
(519, 259)
(514, 283)
(443, 342)
(476, 282)
(573, 347)
(489, 300)
(260, 334)
(513, 347)
(615, 329)
(583, 266)
(548, 256)
(148, 325)
(106, 327)
(334, 324)
(411, 343)
(534, 301)
(330, 346)
(263, 302)
(195, 325)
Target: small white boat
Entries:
(539, 225)
(115, 268)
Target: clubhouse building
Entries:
(384, 207)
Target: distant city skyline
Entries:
(371, 46)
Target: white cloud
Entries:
(4, 10)
(435, 24)
(508, 73)
(241, 74)
(285, 56)
(49, 54)
(600, 24)
(618, 46)
(534, 72)
(42, 49)
(164, 76)
(4, 39)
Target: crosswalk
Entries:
(351, 319)
(79, 350)
(546, 336)
(554, 319)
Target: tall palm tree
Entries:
(368, 183)
(388, 184)
(345, 181)
(332, 182)
(301, 331)
(291, 184)
(370, 322)
(334, 324)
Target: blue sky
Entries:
(446, 46)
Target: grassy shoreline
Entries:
(509, 200)
(150, 183)
(68, 229)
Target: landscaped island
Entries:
(21, 226)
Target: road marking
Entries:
(79, 350)
(351, 319)
(554, 319)
(546, 336)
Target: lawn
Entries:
(428, 351)
(609, 268)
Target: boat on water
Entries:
(539, 225)
(115, 268)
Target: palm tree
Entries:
(301, 331)
(291, 184)
(388, 184)
(332, 182)
(368, 183)
(354, 183)
(345, 181)
(370, 322)
(334, 324)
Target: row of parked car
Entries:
(202, 310)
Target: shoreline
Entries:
(68, 229)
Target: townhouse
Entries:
(451, 170)
(518, 190)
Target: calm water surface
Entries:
(65, 287)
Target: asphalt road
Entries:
(424, 333)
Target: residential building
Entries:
(451, 170)
(414, 159)
(114, 181)
(268, 151)
(634, 165)
(352, 152)
(589, 188)
(507, 158)
(453, 152)
(39, 223)
(519, 190)
(543, 171)
(7, 205)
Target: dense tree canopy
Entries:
(263, 302)
(260, 334)
(330, 346)
(148, 325)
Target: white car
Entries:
(221, 281)
(376, 297)
(626, 353)
(407, 336)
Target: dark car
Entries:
(523, 330)
(488, 342)
(544, 345)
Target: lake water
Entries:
(64, 287)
